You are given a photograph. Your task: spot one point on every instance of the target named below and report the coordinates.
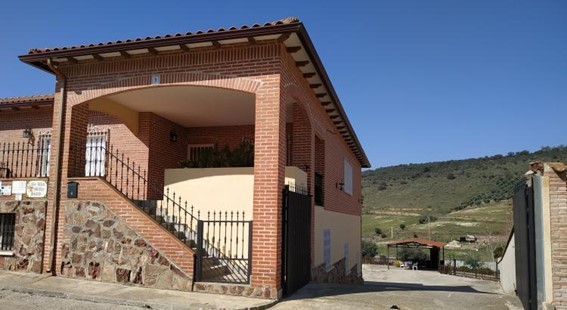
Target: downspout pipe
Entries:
(57, 171)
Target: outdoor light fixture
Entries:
(27, 133)
(340, 185)
(173, 135)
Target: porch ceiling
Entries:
(192, 106)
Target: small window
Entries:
(347, 188)
(95, 154)
(44, 152)
(195, 150)
(7, 227)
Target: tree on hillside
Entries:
(402, 226)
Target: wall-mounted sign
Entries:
(5, 190)
(19, 187)
(36, 189)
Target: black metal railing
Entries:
(319, 198)
(24, 159)
(224, 248)
(7, 229)
(222, 241)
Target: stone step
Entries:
(215, 271)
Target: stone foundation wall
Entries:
(237, 290)
(336, 274)
(99, 246)
(28, 236)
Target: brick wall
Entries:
(558, 218)
(13, 123)
(336, 149)
(220, 135)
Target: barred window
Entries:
(195, 150)
(7, 228)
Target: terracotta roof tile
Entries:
(27, 99)
(35, 51)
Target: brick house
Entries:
(91, 183)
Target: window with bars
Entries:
(7, 228)
(195, 150)
(95, 154)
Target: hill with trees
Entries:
(446, 200)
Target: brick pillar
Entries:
(52, 184)
(75, 140)
(269, 172)
(302, 144)
(558, 218)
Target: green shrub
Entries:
(369, 249)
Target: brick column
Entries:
(269, 172)
(75, 140)
(303, 145)
(558, 218)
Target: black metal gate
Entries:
(525, 245)
(296, 252)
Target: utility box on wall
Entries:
(72, 189)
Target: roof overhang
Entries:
(31, 102)
(417, 243)
(290, 32)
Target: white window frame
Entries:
(95, 160)
(45, 143)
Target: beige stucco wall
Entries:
(345, 229)
(128, 116)
(507, 267)
(221, 189)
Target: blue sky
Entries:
(420, 80)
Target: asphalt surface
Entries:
(383, 289)
(404, 289)
(10, 300)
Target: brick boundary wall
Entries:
(558, 218)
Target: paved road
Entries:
(10, 300)
(407, 289)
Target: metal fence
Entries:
(25, 159)
(477, 273)
(224, 248)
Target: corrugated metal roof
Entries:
(425, 242)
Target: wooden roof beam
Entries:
(72, 60)
(124, 54)
(251, 40)
(284, 37)
(98, 57)
(325, 103)
(216, 44)
(301, 63)
(183, 47)
(321, 95)
(313, 86)
(152, 51)
(293, 49)
(309, 75)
